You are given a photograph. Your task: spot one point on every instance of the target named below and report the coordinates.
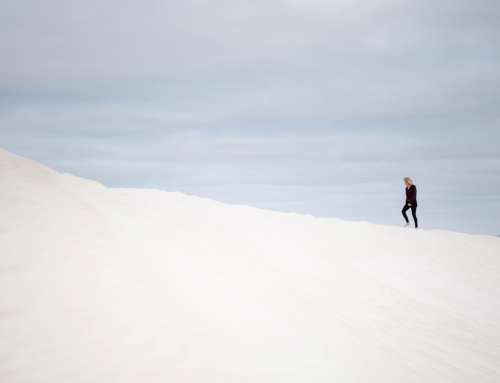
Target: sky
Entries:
(309, 106)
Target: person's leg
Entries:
(405, 209)
(414, 214)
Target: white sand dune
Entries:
(120, 285)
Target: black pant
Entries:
(413, 208)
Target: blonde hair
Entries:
(408, 180)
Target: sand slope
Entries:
(120, 285)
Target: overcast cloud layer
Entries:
(311, 106)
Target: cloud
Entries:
(315, 106)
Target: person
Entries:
(411, 201)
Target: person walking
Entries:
(411, 201)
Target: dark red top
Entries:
(411, 194)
